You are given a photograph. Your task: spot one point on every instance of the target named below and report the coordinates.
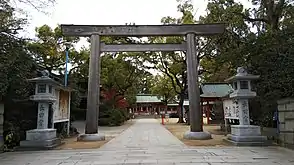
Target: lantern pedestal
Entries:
(246, 135)
(40, 139)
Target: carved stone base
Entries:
(197, 135)
(91, 137)
(246, 135)
(39, 139)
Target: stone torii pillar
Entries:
(92, 116)
(196, 115)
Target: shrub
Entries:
(112, 117)
(103, 121)
(116, 118)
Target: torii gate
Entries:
(96, 31)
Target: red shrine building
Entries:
(147, 104)
(210, 95)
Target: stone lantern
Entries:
(44, 136)
(244, 133)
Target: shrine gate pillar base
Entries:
(197, 135)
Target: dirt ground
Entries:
(178, 130)
(109, 132)
(72, 143)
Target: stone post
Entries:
(196, 130)
(194, 97)
(285, 122)
(93, 86)
(91, 128)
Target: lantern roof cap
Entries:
(242, 74)
(45, 79)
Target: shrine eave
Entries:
(205, 99)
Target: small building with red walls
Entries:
(148, 104)
(210, 95)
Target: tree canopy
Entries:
(259, 38)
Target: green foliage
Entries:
(117, 72)
(46, 50)
(113, 117)
(173, 64)
(15, 63)
(162, 87)
(11, 138)
(266, 51)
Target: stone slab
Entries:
(197, 135)
(147, 141)
(40, 134)
(246, 144)
(245, 130)
(40, 144)
(247, 138)
(246, 135)
(91, 137)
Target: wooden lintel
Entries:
(142, 30)
(142, 47)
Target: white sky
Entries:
(108, 12)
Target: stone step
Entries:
(39, 145)
(260, 143)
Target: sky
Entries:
(107, 12)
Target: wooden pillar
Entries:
(193, 87)
(141, 111)
(93, 87)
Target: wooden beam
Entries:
(142, 30)
(142, 47)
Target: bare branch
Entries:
(170, 76)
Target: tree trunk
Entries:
(188, 117)
(181, 113)
(165, 108)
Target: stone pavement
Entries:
(147, 142)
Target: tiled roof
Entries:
(147, 98)
(215, 90)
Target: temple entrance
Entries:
(189, 31)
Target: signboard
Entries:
(231, 109)
(62, 106)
